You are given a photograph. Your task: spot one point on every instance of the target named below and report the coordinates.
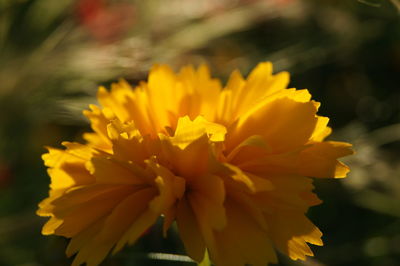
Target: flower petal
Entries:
(67, 167)
(291, 231)
(78, 217)
(321, 129)
(108, 170)
(242, 241)
(284, 124)
(207, 196)
(189, 230)
(320, 160)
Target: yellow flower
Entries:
(230, 166)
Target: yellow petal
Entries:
(239, 96)
(98, 122)
(79, 195)
(209, 90)
(251, 182)
(242, 241)
(95, 140)
(321, 129)
(227, 102)
(140, 113)
(291, 231)
(67, 167)
(191, 162)
(261, 82)
(79, 217)
(288, 193)
(189, 152)
(189, 231)
(124, 215)
(171, 188)
(207, 196)
(284, 124)
(45, 206)
(84, 238)
(127, 142)
(320, 160)
(249, 207)
(141, 224)
(114, 101)
(51, 225)
(111, 171)
(162, 95)
(254, 146)
(187, 131)
(113, 229)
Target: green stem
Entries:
(206, 261)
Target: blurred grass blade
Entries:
(169, 257)
(370, 3)
(396, 3)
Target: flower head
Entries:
(230, 165)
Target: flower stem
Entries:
(206, 261)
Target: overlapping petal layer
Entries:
(230, 165)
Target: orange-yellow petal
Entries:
(284, 124)
(242, 241)
(320, 160)
(189, 230)
(291, 231)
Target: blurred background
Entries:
(54, 54)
